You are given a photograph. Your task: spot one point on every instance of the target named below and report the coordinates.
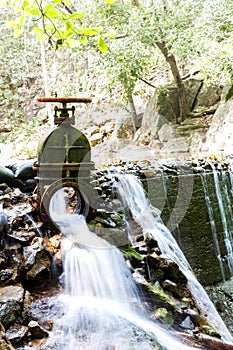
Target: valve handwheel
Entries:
(65, 99)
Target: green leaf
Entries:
(49, 28)
(109, 2)
(33, 12)
(72, 43)
(83, 40)
(57, 1)
(25, 4)
(66, 33)
(51, 12)
(76, 15)
(37, 30)
(41, 36)
(89, 31)
(11, 24)
(102, 45)
(17, 33)
(21, 20)
(230, 93)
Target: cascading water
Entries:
(212, 223)
(225, 211)
(133, 196)
(101, 305)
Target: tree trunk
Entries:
(133, 111)
(46, 85)
(170, 58)
(184, 109)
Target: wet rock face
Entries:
(221, 295)
(191, 208)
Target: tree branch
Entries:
(147, 82)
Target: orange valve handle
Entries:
(65, 99)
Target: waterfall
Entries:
(58, 205)
(101, 306)
(212, 223)
(225, 211)
(133, 196)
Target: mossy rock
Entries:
(160, 295)
(209, 331)
(130, 253)
(163, 315)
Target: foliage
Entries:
(58, 21)
(117, 40)
(16, 71)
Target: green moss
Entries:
(209, 331)
(160, 294)
(131, 253)
(164, 315)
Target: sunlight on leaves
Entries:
(102, 45)
(109, 2)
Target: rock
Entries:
(37, 260)
(151, 124)
(107, 129)
(205, 329)
(37, 331)
(164, 106)
(125, 129)
(5, 344)
(17, 334)
(176, 145)
(9, 312)
(208, 96)
(173, 288)
(26, 304)
(11, 300)
(12, 293)
(7, 275)
(195, 143)
(95, 139)
(187, 323)
(220, 134)
(163, 315)
(115, 236)
(3, 221)
(167, 132)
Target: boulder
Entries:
(9, 312)
(17, 334)
(37, 260)
(11, 293)
(126, 128)
(11, 301)
(37, 331)
(176, 145)
(95, 139)
(219, 137)
(166, 132)
(5, 344)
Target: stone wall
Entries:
(184, 209)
